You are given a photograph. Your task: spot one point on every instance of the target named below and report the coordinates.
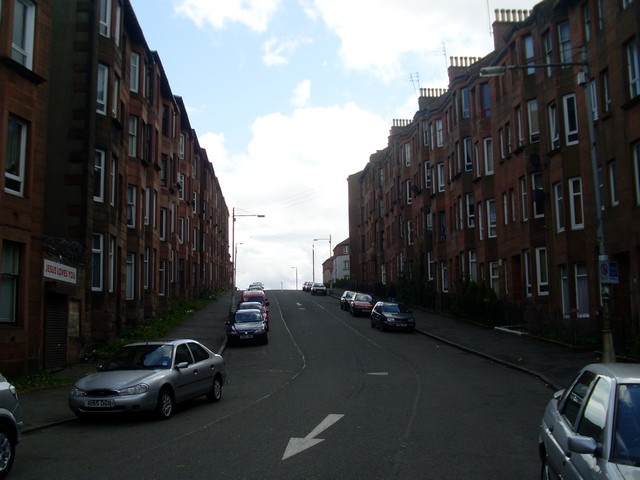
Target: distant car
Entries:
(256, 286)
(256, 306)
(345, 299)
(318, 289)
(255, 296)
(11, 424)
(361, 304)
(392, 316)
(592, 429)
(150, 376)
(306, 286)
(247, 326)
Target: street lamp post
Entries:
(608, 350)
(235, 251)
(296, 277)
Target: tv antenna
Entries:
(415, 81)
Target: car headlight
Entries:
(135, 390)
(76, 392)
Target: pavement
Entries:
(552, 363)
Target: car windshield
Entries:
(626, 444)
(253, 299)
(140, 357)
(250, 306)
(364, 298)
(244, 316)
(395, 308)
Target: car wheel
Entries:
(373, 324)
(381, 326)
(166, 404)
(215, 394)
(7, 450)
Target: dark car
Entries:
(592, 429)
(361, 304)
(256, 306)
(247, 326)
(392, 316)
(10, 425)
(150, 376)
(345, 299)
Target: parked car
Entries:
(247, 326)
(592, 429)
(255, 296)
(256, 306)
(306, 286)
(392, 316)
(361, 304)
(318, 289)
(150, 376)
(345, 299)
(11, 424)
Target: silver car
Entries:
(592, 429)
(10, 425)
(150, 376)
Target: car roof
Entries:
(623, 372)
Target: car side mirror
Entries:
(581, 444)
(182, 365)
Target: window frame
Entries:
(18, 175)
(23, 42)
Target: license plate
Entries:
(99, 403)
(401, 324)
(246, 336)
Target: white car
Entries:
(10, 425)
(592, 429)
(318, 289)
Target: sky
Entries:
(290, 97)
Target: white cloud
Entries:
(254, 14)
(301, 94)
(294, 171)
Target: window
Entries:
(633, 70)
(409, 192)
(527, 273)
(593, 89)
(162, 274)
(181, 230)
(564, 291)
(486, 100)
(564, 43)
(542, 275)
(117, 23)
(636, 169)
(23, 32)
(480, 222)
(194, 203)
(10, 281)
(473, 266)
(492, 230)
(570, 119)
(548, 51)
(98, 175)
(606, 96)
(466, 103)
(181, 186)
(575, 203)
(554, 131)
(626, 3)
(505, 208)
(613, 183)
(147, 205)
(527, 40)
(523, 198)
(113, 175)
(105, 18)
(14, 174)
(441, 181)
(494, 277)
(115, 97)
(409, 232)
(559, 203)
(488, 156)
(468, 154)
(582, 290)
(134, 73)
(112, 262)
(594, 416)
(427, 175)
(534, 127)
(444, 276)
(439, 133)
(538, 195)
(181, 147)
(102, 86)
(96, 262)
(586, 23)
(131, 206)
(519, 129)
(133, 135)
(575, 398)
(130, 279)
(471, 214)
(600, 8)
(407, 154)
(146, 260)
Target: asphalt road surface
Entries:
(328, 398)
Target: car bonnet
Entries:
(118, 379)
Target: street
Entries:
(328, 398)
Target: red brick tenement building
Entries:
(488, 198)
(110, 210)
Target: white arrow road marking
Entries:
(297, 445)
